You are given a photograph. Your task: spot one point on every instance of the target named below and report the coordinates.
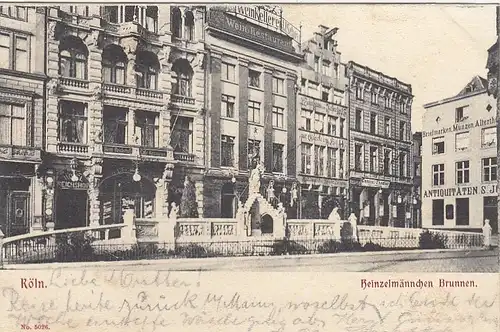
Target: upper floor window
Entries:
(403, 164)
(189, 25)
(319, 122)
(358, 119)
(461, 114)
(227, 151)
(373, 123)
(373, 159)
(227, 106)
(489, 137)
(79, 10)
(462, 141)
(253, 153)
(182, 134)
(253, 111)
(325, 93)
(341, 128)
(147, 128)
(358, 157)
(278, 85)
(489, 169)
(332, 125)
(306, 119)
(278, 157)
(438, 174)
(16, 12)
(73, 58)
(114, 62)
(374, 97)
(319, 160)
(325, 68)
(438, 145)
(404, 107)
(14, 51)
(253, 78)
(183, 78)
(336, 70)
(387, 162)
(462, 171)
(147, 68)
(115, 124)
(402, 131)
(151, 18)
(13, 124)
(331, 162)
(176, 22)
(387, 126)
(316, 64)
(72, 122)
(278, 117)
(306, 156)
(360, 91)
(388, 101)
(228, 72)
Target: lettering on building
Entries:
(320, 138)
(459, 127)
(375, 183)
(461, 191)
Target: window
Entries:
(147, 68)
(316, 64)
(373, 123)
(73, 58)
(228, 72)
(113, 65)
(438, 145)
(183, 78)
(338, 97)
(388, 102)
(438, 175)
(462, 168)
(319, 122)
(313, 86)
(72, 122)
(358, 157)
(403, 165)
(325, 93)
(115, 125)
(402, 130)
(359, 120)
(306, 116)
(418, 171)
(229, 203)
(306, 158)
(176, 18)
(278, 157)
(16, 12)
(490, 169)
(462, 207)
(374, 97)
(331, 162)
(13, 125)
(373, 159)
(341, 128)
(253, 152)
(360, 92)
(387, 126)
(227, 106)
(461, 114)
(189, 25)
(319, 160)
(147, 129)
(79, 10)
(110, 14)
(254, 78)
(14, 51)
(227, 151)
(325, 68)
(254, 111)
(278, 85)
(182, 134)
(341, 163)
(462, 141)
(332, 125)
(278, 117)
(404, 107)
(336, 70)
(387, 162)
(489, 137)
(438, 212)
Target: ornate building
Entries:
(322, 127)
(380, 158)
(22, 82)
(124, 109)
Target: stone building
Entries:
(417, 179)
(459, 159)
(22, 82)
(380, 144)
(251, 100)
(322, 127)
(124, 109)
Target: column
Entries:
(268, 117)
(291, 120)
(37, 203)
(243, 115)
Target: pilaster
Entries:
(268, 119)
(291, 121)
(243, 115)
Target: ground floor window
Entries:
(462, 211)
(437, 212)
(228, 201)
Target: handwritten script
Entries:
(162, 300)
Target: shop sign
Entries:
(78, 185)
(321, 138)
(242, 28)
(375, 183)
(459, 127)
(491, 189)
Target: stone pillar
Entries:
(160, 198)
(215, 122)
(199, 196)
(243, 115)
(128, 235)
(131, 139)
(291, 122)
(268, 120)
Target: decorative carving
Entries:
(146, 230)
(223, 229)
(97, 92)
(93, 39)
(198, 60)
(54, 87)
(322, 230)
(168, 172)
(52, 30)
(297, 230)
(190, 229)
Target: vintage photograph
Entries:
(250, 137)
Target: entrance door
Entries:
(490, 212)
(71, 209)
(18, 213)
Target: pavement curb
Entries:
(49, 266)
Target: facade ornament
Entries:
(93, 39)
(492, 85)
(52, 30)
(97, 93)
(168, 171)
(54, 87)
(254, 181)
(294, 195)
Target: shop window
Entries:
(449, 211)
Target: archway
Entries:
(266, 224)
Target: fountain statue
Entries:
(254, 181)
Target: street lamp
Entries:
(136, 177)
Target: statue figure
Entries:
(270, 192)
(334, 215)
(174, 211)
(294, 194)
(487, 233)
(254, 182)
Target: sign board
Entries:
(459, 127)
(309, 137)
(491, 189)
(78, 185)
(375, 183)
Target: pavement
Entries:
(478, 261)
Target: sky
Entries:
(437, 49)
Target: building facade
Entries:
(22, 83)
(459, 159)
(322, 128)
(380, 144)
(252, 96)
(417, 179)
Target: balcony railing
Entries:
(178, 99)
(73, 83)
(149, 94)
(77, 148)
(20, 153)
(184, 156)
(116, 88)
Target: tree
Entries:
(189, 206)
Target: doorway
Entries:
(490, 212)
(71, 209)
(18, 213)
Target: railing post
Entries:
(487, 233)
(129, 236)
(1, 249)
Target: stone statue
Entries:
(174, 211)
(487, 233)
(294, 194)
(254, 181)
(270, 192)
(334, 215)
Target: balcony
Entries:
(23, 153)
(148, 94)
(184, 100)
(116, 89)
(72, 148)
(136, 29)
(73, 83)
(184, 156)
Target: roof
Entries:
(476, 85)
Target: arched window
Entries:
(176, 22)
(228, 201)
(147, 68)
(151, 23)
(73, 58)
(183, 79)
(114, 62)
(189, 25)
